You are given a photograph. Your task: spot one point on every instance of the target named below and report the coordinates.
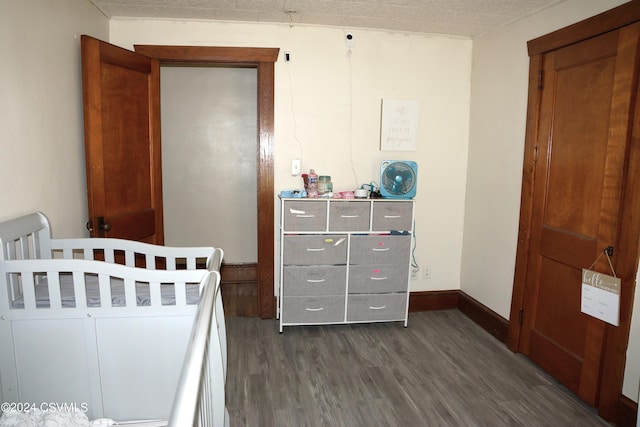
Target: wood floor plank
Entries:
(443, 370)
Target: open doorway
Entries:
(262, 60)
(209, 170)
(209, 159)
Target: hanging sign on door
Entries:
(601, 296)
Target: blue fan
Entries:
(398, 179)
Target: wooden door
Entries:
(582, 116)
(121, 99)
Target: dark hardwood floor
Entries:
(443, 370)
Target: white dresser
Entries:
(344, 261)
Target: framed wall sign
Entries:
(399, 125)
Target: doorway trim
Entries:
(263, 59)
(610, 401)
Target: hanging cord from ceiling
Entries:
(292, 98)
(293, 113)
(353, 168)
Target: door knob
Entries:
(102, 225)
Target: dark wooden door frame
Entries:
(263, 60)
(617, 338)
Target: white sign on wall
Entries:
(601, 296)
(399, 125)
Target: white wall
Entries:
(497, 128)
(327, 113)
(41, 131)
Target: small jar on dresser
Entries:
(344, 261)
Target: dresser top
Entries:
(330, 199)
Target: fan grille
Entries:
(398, 178)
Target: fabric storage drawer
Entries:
(315, 249)
(377, 307)
(367, 279)
(380, 249)
(349, 216)
(324, 309)
(305, 216)
(305, 281)
(389, 216)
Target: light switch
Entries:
(295, 167)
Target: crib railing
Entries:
(200, 396)
(132, 253)
(29, 237)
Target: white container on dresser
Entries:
(344, 261)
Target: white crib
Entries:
(105, 337)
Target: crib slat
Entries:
(79, 289)
(155, 294)
(130, 258)
(24, 247)
(11, 250)
(181, 293)
(109, 255)
(104, 283)
(28, 291)
(35, 245)
(53, 282)
(15, 285)
(150, 261)
(129, 293)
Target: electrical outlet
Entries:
(414, 273)
(426, 273)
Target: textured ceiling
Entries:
(465, 18)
